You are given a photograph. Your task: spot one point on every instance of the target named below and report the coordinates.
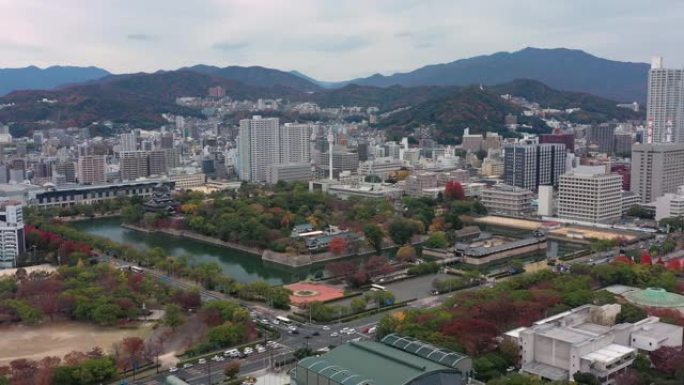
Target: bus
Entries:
(375, 287)
(284, 320)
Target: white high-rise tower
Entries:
(665, 109)
(331, 139)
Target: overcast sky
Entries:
(328, 39)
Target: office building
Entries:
(92, 169)
(624, 170)
(477, 142)
(67, 169)
(670, 205)
(12, 242)
(588, 340)
(184, 181)
(589, 194)
(560, 138)
(507, 200)
(128, 141)
(289, 172)
(657, 169)
(134, 165)
(395, 360)
(665, 108)
(601, 138)
(528, 165)
(622, 143)
(259, 147)
(382, 167)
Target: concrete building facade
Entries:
(589, 194)
(528, 165)
(507, 200)
(665, 104)
(657, 169)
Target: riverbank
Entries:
(198, 237)
(80, 218)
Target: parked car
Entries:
(173, 369)
(260, 349)
(202, 361)
(247, 351)
(232, 353)
(187, 366)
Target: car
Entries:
(247, 351)
(372, 330)
(275, 321)
(187, 366)
(434, 292)
(272, 344)
(315, 334)
(173, 369)
(202, 361)
(263, 321)
(260, 349)
(334, 334)
(293, 331)
(326, 327)
(233, 353)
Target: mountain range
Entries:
(559, 68)
(34, 78)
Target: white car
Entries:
(334, 334)
(326, 327)
(187, 366)
(248, 351)
(275, 321)
(260, 349)
(202, 361)
(232, 353)
(272, 344)
(173, 369)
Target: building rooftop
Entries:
(396, 361)
(608, 354)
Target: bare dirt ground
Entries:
(59, 338)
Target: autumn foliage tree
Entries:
(338, 245)
(454, 191)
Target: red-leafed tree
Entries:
(674, 265)
(668, 359)
(646, 258)
(454, 191)
(475, 335)
(377, 265)
(338, 245)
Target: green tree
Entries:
(358, 304)
(630, 313)
(584, 378)
(227, 334)
(106, 314)
(402, 230)
(437, 240)
(173, 316)
(374, 236)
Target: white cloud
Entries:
(327, 39)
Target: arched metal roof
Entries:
(425, 350)
(334, 372)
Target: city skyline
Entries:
(326, 40)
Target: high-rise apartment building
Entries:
(295, 143)
(665, 109)
(528, 165)
(259, 147)
(589, 194)
(134, 165)
(157, 162)
(264, 142)
(657, 169)
(12, 242)
(67, 169)
(92, 169)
